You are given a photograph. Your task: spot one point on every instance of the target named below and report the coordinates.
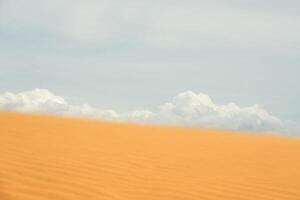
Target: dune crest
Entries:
(43, 158)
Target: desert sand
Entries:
(43, 158)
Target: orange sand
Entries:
(69, 159)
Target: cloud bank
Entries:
(187, 109)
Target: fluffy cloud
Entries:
(187, 108)
(43, 101)
(199, 110)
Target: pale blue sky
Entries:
(133, 54)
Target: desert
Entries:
(46, 157)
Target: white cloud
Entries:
(187, 108)
(43, 101)
(199, 110)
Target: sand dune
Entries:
(44, 158)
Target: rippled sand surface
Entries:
(52, 158)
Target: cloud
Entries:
(199, 110)
(162, 24)
(187, 109)
(43, 101)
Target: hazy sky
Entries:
(137, 54)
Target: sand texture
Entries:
(43, 158)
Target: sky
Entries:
(137, 55)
